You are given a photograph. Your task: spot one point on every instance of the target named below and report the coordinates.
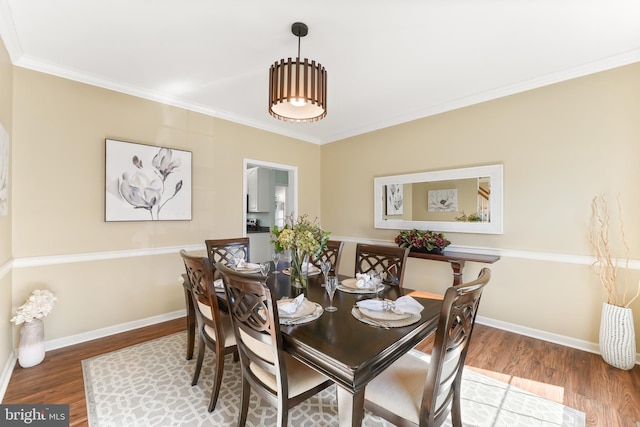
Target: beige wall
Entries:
(6, 98)
(60, 127)
(560, 145)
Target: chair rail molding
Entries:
(100, 256)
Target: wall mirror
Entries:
(466, 200)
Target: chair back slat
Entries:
(390, 260)
(224, 250)
(200, 276)
(256, 324)
(455, 326)
(332, 253)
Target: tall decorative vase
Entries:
(31, 347)
(617, 336)
(298, 261)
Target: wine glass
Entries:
(325, 266)
(376, 279)
(275, 256)
(331, 286)
(264, 268)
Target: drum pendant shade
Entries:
(298, 88)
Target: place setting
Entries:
(239, 264)
(386, 313)
(298, 310)
(363, 284)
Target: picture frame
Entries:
(147, 183)
(443, 200)
(395, 199)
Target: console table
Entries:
(456, 260)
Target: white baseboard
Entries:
(112, 330)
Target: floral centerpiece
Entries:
(422, 240)
(303, 238)
(38, 305)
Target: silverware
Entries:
(373, 322)
(290, 322)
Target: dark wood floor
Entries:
(610, 397)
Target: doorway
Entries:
(269, 197)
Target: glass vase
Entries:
(299, 266)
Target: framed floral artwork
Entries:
(395, 199)
(443, 200)
(146, 183)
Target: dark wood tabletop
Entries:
(348, 351)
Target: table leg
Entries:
(350, 407)
(191, 323)
(457, 266)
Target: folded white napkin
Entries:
(292, 306)
(218, 284)
(404, 304)
(241, 263)
(363, 280)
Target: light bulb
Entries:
(298, 102)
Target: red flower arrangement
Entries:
(422, 240)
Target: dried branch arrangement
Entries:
(606, 266)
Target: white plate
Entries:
(383, 314)
(361, 290)
(353, 284)
(306, 308)
(313, 272)
(247, 268)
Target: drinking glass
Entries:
(264, 268)
(275, 256)
(325, 266)
(331, 286)
(376, 279)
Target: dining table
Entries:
(347, 350)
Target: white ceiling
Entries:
(388, 62)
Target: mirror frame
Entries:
(494, 226)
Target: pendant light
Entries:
(298, 88)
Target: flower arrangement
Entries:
(301, 237)
(304, 235)
(427, 240)
(38, 305)
(605, 266)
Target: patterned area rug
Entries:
(149, 385)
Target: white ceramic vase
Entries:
(31, 347)
(617, 336)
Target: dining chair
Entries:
(274, 375)
(332, 253)
(390, 260)
(426, 390)
(214, 327)
(225, 249)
